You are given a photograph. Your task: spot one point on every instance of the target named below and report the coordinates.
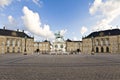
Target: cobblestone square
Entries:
(60, 67)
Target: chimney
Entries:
(4, 28)
(17, 30)
(23, 31)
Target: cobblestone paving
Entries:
(59, 67)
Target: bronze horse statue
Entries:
(58, 35)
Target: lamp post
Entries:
(92, 52)
(25, 51)
(38, 48)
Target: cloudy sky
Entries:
(73, 18)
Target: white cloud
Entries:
(95, 6)
(33, 23)
(37, 2)
(75, 38)
(83, 30)
(109, 9)
(11, 19)
(19, 0)
(62, 32)
(4, 3)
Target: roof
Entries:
(46, 41)
(68, 40)
(111, 32)
(5, 32)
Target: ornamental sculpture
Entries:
(58, 35)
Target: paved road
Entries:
(59, 67)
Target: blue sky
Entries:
(73, 18)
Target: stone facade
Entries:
(15, 42)
(107, 41)
(73, 46)
(59, 45)
(42, 47)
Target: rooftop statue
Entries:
(58, 35)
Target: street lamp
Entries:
(38, 48)
(25, 51)
(92, 52)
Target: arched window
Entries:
(97, 49)
(107, 49)
(102, 49)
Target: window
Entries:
(13, 43)
(18, 43)
(107, 49)
(8, 43)
(61, 46)
(97, 49)
(97, 42)
(35, 44)
(3, 43)
(18, 50)
(56, 46)
(7, 49)
(101, 42)
(40, 44)
(13, 50)
(107, 42)
(102, 49)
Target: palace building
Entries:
(73, 46)
(15, 42)
(107, 41)
(42, 47)
(59, 45)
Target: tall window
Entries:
(8, 49)
(106, 42)
(61, 46)
(13, 50)
(8, 43)
(101, 42)
(3, 43)
(18, 50)
(102, 49)
(97, 49)
(18, 43)
(107, 49)
(56, 46)
(96, 42)
(13, 43)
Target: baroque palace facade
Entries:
(42, 47)
(107, 41)
(15, 42)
